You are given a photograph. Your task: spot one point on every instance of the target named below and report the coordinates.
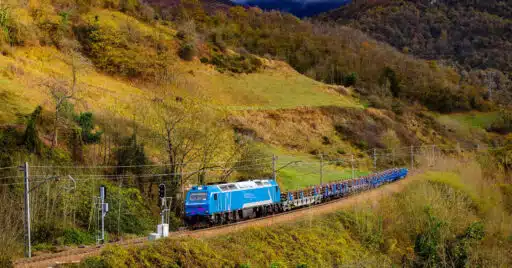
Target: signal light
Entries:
(161, 190)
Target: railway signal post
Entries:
(102, 212)
(163, 228)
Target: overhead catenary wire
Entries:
(11, 177)
(151, 165)
(13, 167)
(261, 163)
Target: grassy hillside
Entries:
(27, 71)
(298, 170)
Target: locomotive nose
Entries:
(196, 209)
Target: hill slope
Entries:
(475, 34)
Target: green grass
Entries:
(278, 88)
(303, 170)
(468, 124)
(311, 242)
(472, 119)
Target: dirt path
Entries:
(78, 254)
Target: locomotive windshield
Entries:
(197, 196)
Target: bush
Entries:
(503, 124)
(5, 261)
(379, 102)
(75, 236)
(46, 231)
(187, 52)
(130, 51)
(181, 34)
(236, 63)
(86, 122)
(31, 138)
(427, 243)
(350, 79)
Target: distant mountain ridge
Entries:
(474, 34)
(299, 8)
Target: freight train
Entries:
(208, 205)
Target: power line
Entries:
(10, 177)
(151, 165)
(2, 168)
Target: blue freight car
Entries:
(220, 203)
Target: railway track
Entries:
(78, 254)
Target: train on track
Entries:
(208, 205)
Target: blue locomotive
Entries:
(221, 203)
(231, 202)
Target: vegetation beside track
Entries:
(454, 215)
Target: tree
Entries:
(390, 139)
(86, 123)
(131, 158)
(63, 91)
(31, 137)
(192, 137)
(390, 81)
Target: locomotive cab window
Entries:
(232, 187)
(224, 187)
(258, 183)
(197, 196)
(215, 197)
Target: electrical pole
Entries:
(321, 168)
(28, 246)
(412, 157)
(119, 209)
(274, 158)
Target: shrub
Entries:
(31, 137)
(397, 107)
(121, 45)
(218, 42)
(427, 243)
(390, 81)
(379, 102)
(86, 122)
(503, 124)
(187, 52)
(236, 63)
(181, 34)
(131, 153)
(46, 231)
(75, 236)
(350, 79)
(5, 261)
